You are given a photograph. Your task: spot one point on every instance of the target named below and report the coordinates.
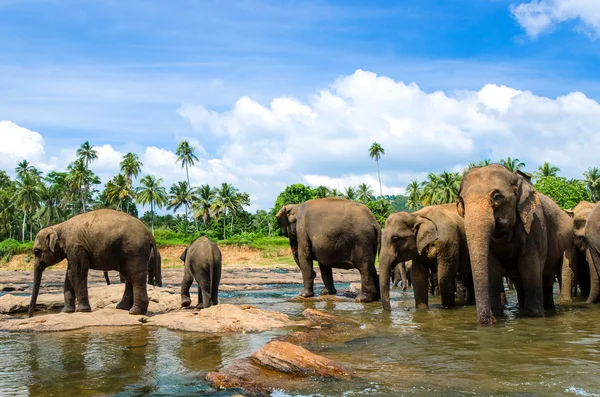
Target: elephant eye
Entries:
(395, 239)
(36, 251)
(497, 197)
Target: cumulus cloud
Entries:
(18, 143)
(539, 16)
(324, 140)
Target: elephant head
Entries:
(405, 237)
(286, 217)
(494, 203)
(48, 250)
(580, 214)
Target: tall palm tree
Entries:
(413, 190)
(131, 166)
(23, 168)
(513, 165)
(51, 211)
(365, 193)
(180, 195)
(87, 153)
(77, 179)
(375, 152)
(449, 184)
(431, 190)
(118, 190)
(151, 192)
(202, 205)
(592, 181)
(350, 193)
(546, 170)
(226, 200)
(185, 155)
(27, 197)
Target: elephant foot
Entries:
(422, 306)
(124, 305)
(306, 294)
(326, 291)
(68, 309)
(186, 302)
(83, 308)
(404, 288)
(363, 298)
(137, 311)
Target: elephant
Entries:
(402, 273)
(577, 269)
(154, 271)
(434, 239)
(103, 239)
(592, 239)
(512, 230)
(202, 261)
(337, 233)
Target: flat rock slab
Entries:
(71, 321)
(223, 318)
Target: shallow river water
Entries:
(405, 352)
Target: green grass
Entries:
(11, 247)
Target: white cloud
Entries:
(539, 16)
(18, 143)
(324, 140)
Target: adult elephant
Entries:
(202, 262)
(100, 240)
(592, 237)
(511, 229)
(577, 269)
(337, 233)
(434, 239)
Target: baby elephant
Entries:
(202, 262)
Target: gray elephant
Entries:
(577, 270)
(592, 238)
(100, 240)
(434, 239)
(337, 233)
(203, 263)
(154, 271)
(515, 231)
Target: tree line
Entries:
(33, 200)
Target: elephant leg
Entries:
(126, 302)
(308, 274)
(445, 278)
(530, 270)
(420, 282)
(215, 284)
(496, 286)
(369, 283)
(594, 279)
(547, 287)
(470, 287)
(567, 276)
(186, 284)
(140, 294)
(77, 273)
(327, 276)
(106, 278)
(69, 293)
(204, 288)
(403, 275)
(461, 289)
(396, 276)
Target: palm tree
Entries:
(180, 195)
(50, 212)
(449, 184)
(185, 155)
(321, 192)
(592, 180)
(365, 193)
(202, 205)
(413, 190)
(23, 168)
(77, 179)
(119, 190)
(27, 197)
(375, 152)
(335, 193)
(546, 170)
(151, 192)
(131, 166)
(350, 194)
(87, 153)
(226, 200)
(513, 165)
(431, 190)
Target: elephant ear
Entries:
(460, 205)
(571, 213)
(286, 216)
(427, 233)
(527, 201)
(52, 240)
(183, 255)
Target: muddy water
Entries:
(406, 352)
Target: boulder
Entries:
(71, 321)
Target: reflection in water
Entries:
(407, 351)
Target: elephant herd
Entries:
(499, 227)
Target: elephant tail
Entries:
(150, 266)
(107, 278)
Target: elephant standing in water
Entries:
(100, 240)
(434, 239)
(401, 273)
(337, 233)
(203, 263)
(578, 268)
(511, 229)
(592, 238)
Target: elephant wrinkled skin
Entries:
(515, 231)
(203, 263)
(434, 239)
(337, 233)
(102, 240)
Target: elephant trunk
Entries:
(479, 225)
(594, 279)
(386, 261)
(37, 280)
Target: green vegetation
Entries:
(11, 247)
(567, 193)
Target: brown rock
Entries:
(317, 317)
(292, 359)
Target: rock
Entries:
(317, 317)
(244, 374)
(71, 321)
(221, 319)
(291, 359)
(353, 290)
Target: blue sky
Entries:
(119, 74)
